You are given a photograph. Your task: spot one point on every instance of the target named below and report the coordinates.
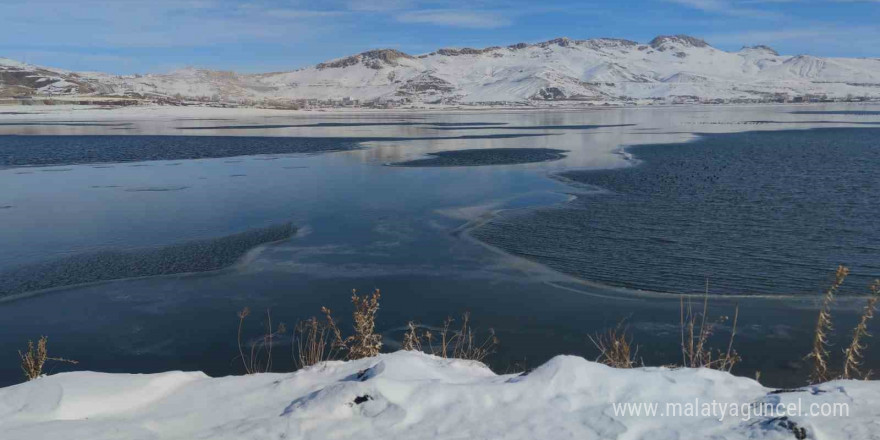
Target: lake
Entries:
(132, 239)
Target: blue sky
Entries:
(128, 36)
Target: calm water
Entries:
(155, 189)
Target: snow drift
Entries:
(408, 395)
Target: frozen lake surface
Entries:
(762, 205)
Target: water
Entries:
(359, 224)
(485, 157)
(90, 267)
(753, 213)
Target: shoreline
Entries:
(24, 112)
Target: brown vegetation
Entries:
(461, 343)
(820, 354)
(364, 342)
(33, 360)
(314, 341)
(854, 353)
(259, 358)
(318, 340)
(696, 328)
(615, 347)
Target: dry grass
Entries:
(412, 339)
(316, 341)
(34, 359)
(819, 354)
(258, 359)
(615, 347)
(854, 353)
(696, 329)
(462, 343)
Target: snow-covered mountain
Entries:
(668, 68)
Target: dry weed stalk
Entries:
(33, 360)
(412, 340)
(696, 330)
(854, 352)
(338, 340)
(315, 341)
(615, 348)
(365, 342)
(820, 354)
(458, 344)
(466, 345)
(259, 358)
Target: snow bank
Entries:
(410, 395)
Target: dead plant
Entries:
(462, 343)
(615, 347)
(259, 358)
(853, 353)
(696, 329)
(819, 354)
(315, 341)
(34, 359)
(365, 342)
(412, 339)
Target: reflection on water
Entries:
(485, 157)
(449, 125)
(64, 124)
(539, 127)
(361, 225)
(49, 150)
(838, 112)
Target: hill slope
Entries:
(669, 68)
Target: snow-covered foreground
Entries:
(409, 395)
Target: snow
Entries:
(6, 63)
(603, 70)
(408, 395)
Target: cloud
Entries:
(725, 7)
(160, 23)
(380, 5)
(455, 18)
(830, 40)
(301, 13)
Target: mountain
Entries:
(668, 68)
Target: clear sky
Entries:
(128, 36)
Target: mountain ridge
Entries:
(669, 68)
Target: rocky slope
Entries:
(668, 68)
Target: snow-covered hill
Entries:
(669, 68)
(410, 395)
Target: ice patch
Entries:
(156, 188)
(192, 256)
